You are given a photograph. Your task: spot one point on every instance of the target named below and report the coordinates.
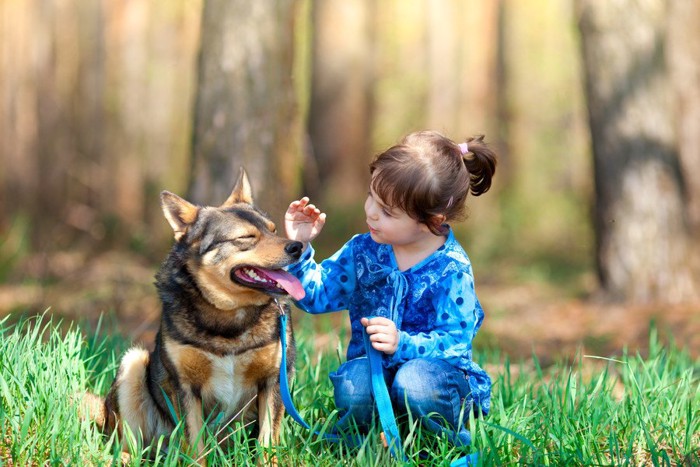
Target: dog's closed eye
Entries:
(245, 242)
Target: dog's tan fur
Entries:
(218, 347)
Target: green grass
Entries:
(627, 410)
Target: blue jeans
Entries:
(431, 389)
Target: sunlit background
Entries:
(99, 103)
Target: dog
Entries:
(222, 288)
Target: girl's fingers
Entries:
(380, 321)
(311, 209)
(379, 329)
(301, 212)
(379, 346)
(384, 347)
(299, 204)
(381, 337)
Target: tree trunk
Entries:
(644, 247)
(340, 107)
(684, 55)
(246, 108)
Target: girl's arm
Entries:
(325, 291)
(328, 285)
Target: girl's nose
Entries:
(371, 209)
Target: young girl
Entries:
(413, 278)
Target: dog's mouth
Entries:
(269, 280)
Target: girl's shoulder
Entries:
(454, 250)
(449, 259)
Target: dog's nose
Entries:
(293, 249)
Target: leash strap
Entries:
(470, 460)
(284, 384)
(379, 390)
(381, 398)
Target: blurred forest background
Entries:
(590, 233)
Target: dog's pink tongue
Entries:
(288, 282)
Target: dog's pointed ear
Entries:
(242, 193)
(179, 212)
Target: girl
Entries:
(412, 276)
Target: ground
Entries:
(521, 319)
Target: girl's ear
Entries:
(434, 223)
(438, 219)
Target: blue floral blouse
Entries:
(433, 304)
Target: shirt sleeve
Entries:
(328, 285)
(457, 318)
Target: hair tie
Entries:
(463, 147)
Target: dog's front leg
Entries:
(194, 423)
(270, 412)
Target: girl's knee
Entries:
(352, 390)
(352, 380)
(425, 386)
(415, 385)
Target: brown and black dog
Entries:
(218, 347)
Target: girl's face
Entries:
(392, 225)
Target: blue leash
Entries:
(383, 401)
(284, 383)
(381, 398)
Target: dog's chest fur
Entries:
(225, 383)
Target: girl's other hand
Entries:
(382, 334)
(303, 221)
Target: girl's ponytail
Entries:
(480, 162)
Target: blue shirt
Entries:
(433, 304)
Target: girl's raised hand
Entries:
(382, 334)
(303, 221)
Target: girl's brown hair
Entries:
(426, 175)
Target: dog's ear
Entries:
(242, 193)
(179, 213)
